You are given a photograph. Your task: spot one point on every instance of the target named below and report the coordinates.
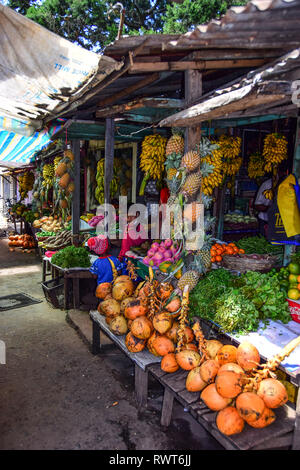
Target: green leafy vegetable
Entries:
(258, 245)
(72, 257)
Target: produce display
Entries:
(152, 158)
(26, 181)
(50, 223)
(256, 166)
(232, 380)
(259, 245)
(218, 250)
(71, 257)
(21, 241)
(238, 303)
(162, 252)
(56, 241)
(114, 184)
(234, 218)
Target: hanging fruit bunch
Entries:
(152, 158)
(216, 177)
(63, 186)
(275, 151)
(48, 178)
(26, 181)
(114, 184)
(256, 166)
(38, 191)
(232, 161)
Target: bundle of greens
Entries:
(238, 303)
(72, 257)
(258, 245)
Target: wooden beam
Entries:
(76, 194)
(182, 65)
(193, 91)
(139, 103)
(127, 91)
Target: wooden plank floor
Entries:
(250, 438)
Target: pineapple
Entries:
(206, 258)
(172, 164)
(192, 184)
(191, 161)
(192, 276)
(175, 144)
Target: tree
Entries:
(183, 16)
(93, 23)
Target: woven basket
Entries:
(244, 263)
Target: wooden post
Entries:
(289, 249)
(134, 163)
(193, 90)
(141, 386)
(76, 194)
(109, 156)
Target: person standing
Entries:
(262, 204)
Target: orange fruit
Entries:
(298, 286)
(213, 259)
(230, 250)
(298, 279)
(219, 258)
(243, 251)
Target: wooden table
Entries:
(73, 274)
(142, 360)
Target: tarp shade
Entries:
(18, 148)
(41, 74)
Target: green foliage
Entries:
(238, 303)
(259, 245)
(72, 257)
(181, 17)
(92, 24)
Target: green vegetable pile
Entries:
(238, 303)
(45, 234)
(72, 257)
(259, 245)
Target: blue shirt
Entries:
(102, 268)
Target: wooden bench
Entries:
(283, 433)
(141, 360)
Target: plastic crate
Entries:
(54, 292)
(294, 306)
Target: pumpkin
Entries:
(172, 332)
(268, 417)
(133, 343)
(135, 309)
(272, 392)
(163, 345)
(150, 343)
(194, 382)
(208, 370)
(162, 322)
(229, 383)
(212, 347)
(229, 421)
(226, 353)
(247, 356)
(141, 327)
(118, 325)
(212, 399)
(122, 289)
(110, 308)
(231, 366)
(102, 290)
(250, 406)
(188, 359)
(169, 363)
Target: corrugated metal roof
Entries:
(259, 24)
(267, 86)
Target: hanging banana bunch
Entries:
(215, 178)
(26, 182)
(274, 151)
(256, 166)
(152, 158)
(114, 184)
(231, 148)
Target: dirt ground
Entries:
(54, 394)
